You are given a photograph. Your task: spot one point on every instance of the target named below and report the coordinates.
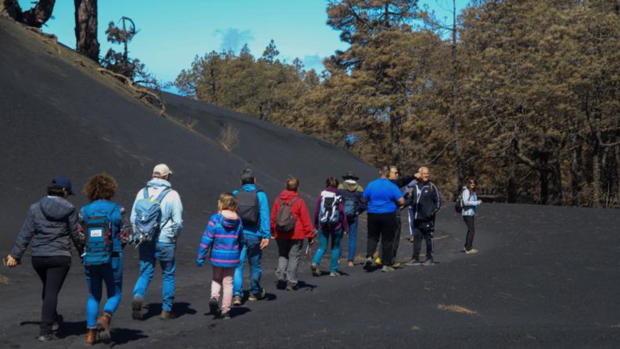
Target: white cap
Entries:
(161, 170)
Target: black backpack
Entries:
(458, 203)
(248, 207)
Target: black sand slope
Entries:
(545, 278)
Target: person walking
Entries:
(157, 240)
(106, 231)
(254, 211)
(290, 225)
(383, 199)
(224, 236)
(331, 222)
(351, 193)
(471, 204)
(51, 226)
(424, 202)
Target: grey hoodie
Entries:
(51, 226)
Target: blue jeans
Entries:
(251, 250)
(324, 235)
(96, 275)
(149, 254)
(352, 240)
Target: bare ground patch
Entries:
(457, 309)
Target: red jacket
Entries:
(303, 224)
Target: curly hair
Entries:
(100, 186)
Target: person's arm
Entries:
(365, 197)
(398, 196)
(274, 213)
(304, 219)
(23, 239)
(436, 199)
(265, 226)
(125, 227)
(317, 211)
(403, 181)
(362, 205)
(176, 217)
(74, 231)
(205, 242)
(468, 199)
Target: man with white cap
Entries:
(158, 191)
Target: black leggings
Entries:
(471, 231)
(52, 271)
(381, 226)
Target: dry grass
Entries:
(4, 280)
(189, 122)
(456, 309)
(229, 137)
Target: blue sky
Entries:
(172, 33)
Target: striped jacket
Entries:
(224, 237)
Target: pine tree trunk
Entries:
(575, 172)
(39, 14)
(11, 9)
(86, 28)
(596, 175)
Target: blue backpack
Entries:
(98, 233)
(148, 217)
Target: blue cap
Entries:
(64, 183)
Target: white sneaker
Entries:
(472, 251)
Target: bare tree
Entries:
(86, 28)
(229, 137)
(35, 17)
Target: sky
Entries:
(172, 33)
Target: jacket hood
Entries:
(288, 195)
(158, 182)
(331, 189)
(230, 224)
(346, 185)
(55, 208)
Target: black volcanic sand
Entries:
(546, 277)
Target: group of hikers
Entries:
(238, 233)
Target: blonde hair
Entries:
(292, 184)
(227, 201)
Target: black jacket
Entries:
(424, 199)
(51, 226)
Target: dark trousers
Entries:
(423, 230)
(52, 271)
(381, 226)
(396, 235)
(471, 231)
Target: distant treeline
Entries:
(522, 94)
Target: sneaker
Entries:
(315, 270)
(292, 287)
(378, 262)
(472, 251)
(214, 307)
(226, 316)
(58, 320)
(47, 337)
(351, 264)
(387, 268)
(237, 301)
(136, 308)
(395, 265)
(103, 326)
(428, 262)
(167, 315)
(368, 264)
(281, 284)
(255, 297)
(413, 262)
(334, 274)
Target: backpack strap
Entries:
(146, 192)
(162, 195)
(290, 203)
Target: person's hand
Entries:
(417, 175)
(346, 232)
(11, 262)
(264, 243)
(479, 202)
(310, 241)
(200, 262)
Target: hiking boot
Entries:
(103, 326)
(255, 297)
(413, 262)
(472, 251)
(292, 287)
(281, 284)
(428, 262)
(214, 307)
(58, 320)
(47, 337)
(237, 301)
(91, 336)
(226, 316)
(167, 315)
(368, 264)
(378, 262)
(334, 274)
(395, 265)
(315, 270)
(136, 308)
(387, 268)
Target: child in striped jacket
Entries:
(224, 237)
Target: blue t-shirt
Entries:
(382, 195)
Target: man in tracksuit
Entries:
(424, 202)
(254, 211)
